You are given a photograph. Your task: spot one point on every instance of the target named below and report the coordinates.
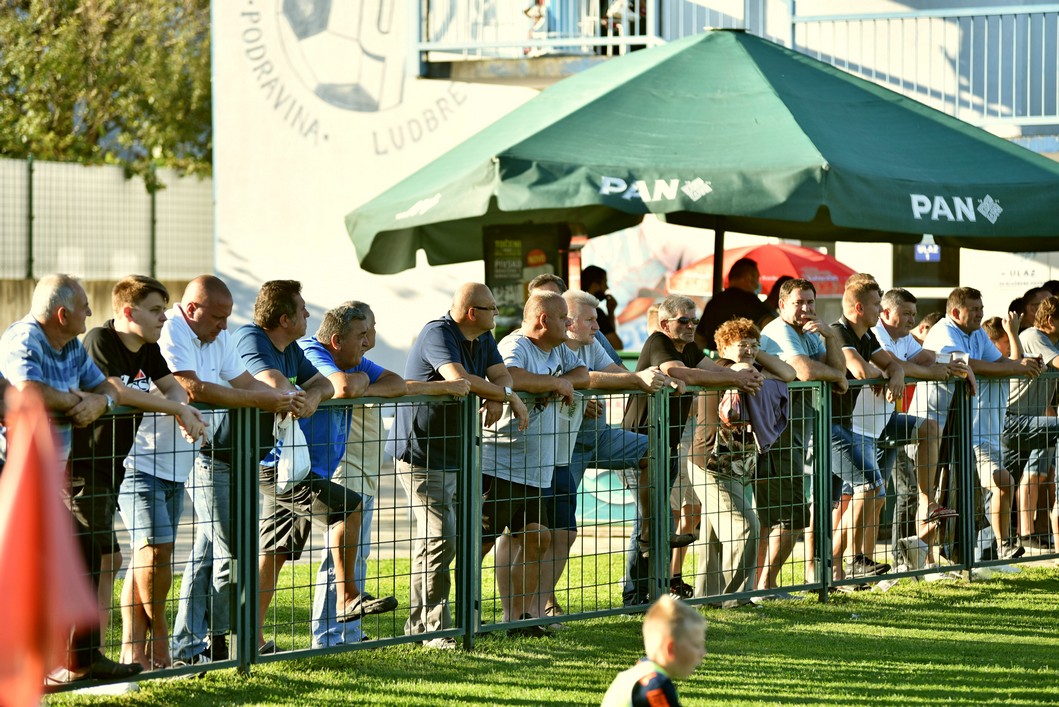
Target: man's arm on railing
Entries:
(246, 392)
(492, 391)
(173, 401)
(708, 373)
(615, 377)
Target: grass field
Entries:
(987, 642)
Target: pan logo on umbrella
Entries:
(664, 189)
(961, 208)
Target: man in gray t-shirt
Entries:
(518, 465)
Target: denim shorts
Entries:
(150, 508)
(988, 461)
(853, 459)
(599, 447)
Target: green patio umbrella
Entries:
(721, 130)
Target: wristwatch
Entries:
(110, 402)
(508, 393)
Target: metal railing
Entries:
(609, 570)
(984, 65)
(988, 65)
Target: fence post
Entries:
(822, 486)
(965, 470)
(29, 217)
(152, 192)
(243, 476)
(469, 525)
(658, 519)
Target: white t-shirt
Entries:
(932, 398)
(160, 449)
(527, 457)
(873, 410)
(1032, 396)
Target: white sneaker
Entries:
(1006, 569)
(441, 644)
(940, 575)
(914, 551)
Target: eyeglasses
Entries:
(749, 346)
(684, 321)
(494, 309)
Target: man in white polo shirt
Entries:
(197, 348)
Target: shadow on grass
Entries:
(985, 642)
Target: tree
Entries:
(107, 81)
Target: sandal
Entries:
(365, 605)
(940, 512)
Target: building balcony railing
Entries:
(995, 66)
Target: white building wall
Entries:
(308, 128)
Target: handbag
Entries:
(292, 464)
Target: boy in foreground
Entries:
(674, 637)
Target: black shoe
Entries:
(527, 631)
(681, 590)
(1010, 550)
(866, 567)
(217, 648)
(103, 668)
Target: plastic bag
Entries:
(293, 463)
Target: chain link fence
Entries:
(99, 224)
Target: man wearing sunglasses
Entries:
(672, 349)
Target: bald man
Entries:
(427, 438)
(204, 361)
(518, 463)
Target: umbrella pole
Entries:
(718, 261)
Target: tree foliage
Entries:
(107, 81)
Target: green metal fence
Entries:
(597, 573)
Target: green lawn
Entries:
(988, 642)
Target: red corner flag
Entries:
(43, 581)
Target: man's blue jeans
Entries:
(326, 629)
(205, 591)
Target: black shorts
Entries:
(286, 520)
(506, 504)
(93, 500)
(779, 493)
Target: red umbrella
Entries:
(773, 260)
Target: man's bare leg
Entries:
(553, 564)
(504, 551)
(156, 589)
(343, 540)
(109, 564)
(268, 569)
(686, 524)
(928, 444)
(529, 546)
(1029, 493)
(133, 618)
(143, 607)
(1000, 505)
(781, 541)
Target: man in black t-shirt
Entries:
(739, 299)
(853, 455)
(126, 350)
(671, 349)
(594, 282)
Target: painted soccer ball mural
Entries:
(345, 51)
